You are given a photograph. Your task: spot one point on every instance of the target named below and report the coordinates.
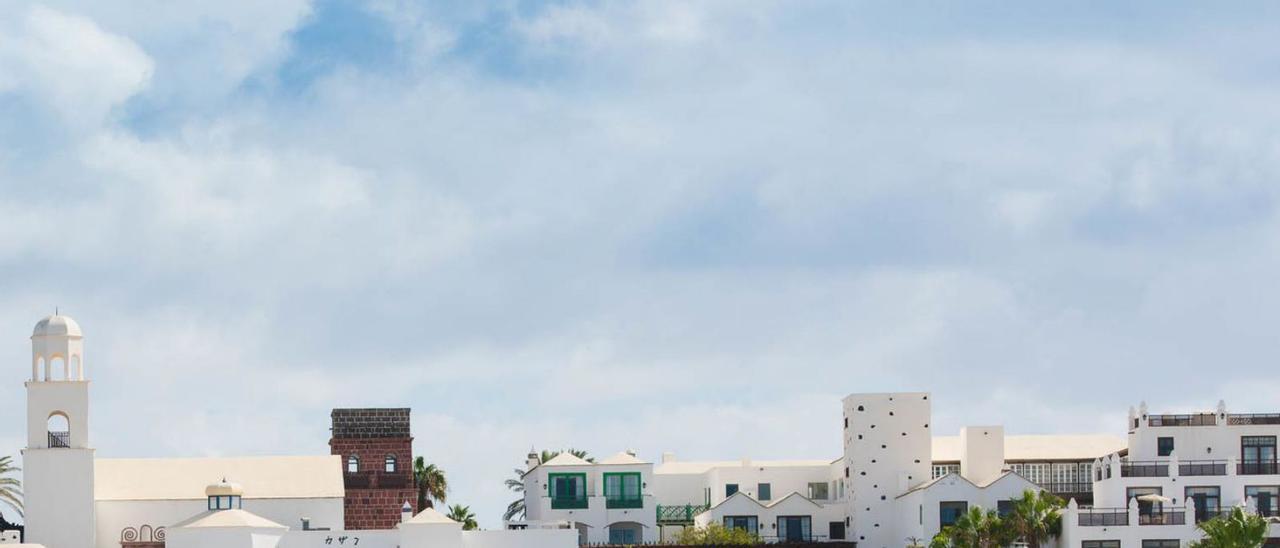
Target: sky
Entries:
(660, 226)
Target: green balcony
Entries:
(623, 502)
(568, 503)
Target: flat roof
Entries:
(186, 478)
(1039, 447)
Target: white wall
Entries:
(317, 539)
(113, 516)
(531, 538)
(981, 453)
(59, 497)
(919, 513)
(887, 448)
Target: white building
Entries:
(1188, 468)
(75, 500)
(896, 481)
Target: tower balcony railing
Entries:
(60, 440)
(1198, 419)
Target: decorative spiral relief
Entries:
(160, 534)
(128, 534)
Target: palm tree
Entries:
(10, 488)
(1236, 529)
(1035, 517)
(516, 484)
(462, 514)
(975, 529)
(431, 484)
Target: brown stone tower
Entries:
(377, 463)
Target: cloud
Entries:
(72, 64)
(685, 227)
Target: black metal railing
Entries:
(357, 480)
(1103, 517)
(1254, 418)
(1257, 468)
(1202, 468)
(1171, 516)
(60, 439)
(1209, 513)
(1198, 419)
(1144, 469)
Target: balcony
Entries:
(1171, 516)
(1202, 468)
(1257, 468)
(1144, 469)
(1253, 418)
(1103, 517)
(569, 503)
(1198, 419)
(1068, 488)
(682, 514)
(612, 502)
(60, 440)
(356, 480)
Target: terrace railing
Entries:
(678, 514)
(1254, 418)
(1103, 517)
(1202, 468)
(1198, 419)
(1257, 468)
(1169, 516)
(1144, 469)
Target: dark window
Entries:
(950, 511)
(1164, 448)
(730, 489)
(749, 524)
(1100, 544)
(795, 528)
(1265, 498)
(836, 531)
(765, 491)
(1004, 507)
(1144, 508)
(1258, 455)
(1165, 543)
(1206, 500)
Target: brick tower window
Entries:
(353, 464)
(390, 464)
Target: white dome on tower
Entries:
(57, 326)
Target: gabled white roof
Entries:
(1039, 447)
(743, 495)
(229, 518)
(429, 516)
(926, 485)
(566, 459)
(186, 479)
(622, 457)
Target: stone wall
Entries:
(374, 496)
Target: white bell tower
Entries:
(58, 462)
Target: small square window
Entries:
(765, 491)
(730, 489)
(1164, 446)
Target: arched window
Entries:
(390, 464)
(353, 464)
(58, 369)
(59, 430)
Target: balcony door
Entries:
(1258, 454)
(794, 528)
(1206, 501)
